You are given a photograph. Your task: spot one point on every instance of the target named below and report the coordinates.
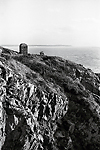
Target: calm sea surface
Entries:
(88, 57)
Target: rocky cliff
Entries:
(48, 103)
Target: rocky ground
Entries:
(48, 103)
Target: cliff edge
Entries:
(48, 103)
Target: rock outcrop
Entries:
(48, 103)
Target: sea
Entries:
(89, 57)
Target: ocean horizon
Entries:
(89, 57)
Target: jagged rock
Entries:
(58, 109)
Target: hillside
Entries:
(48, 103)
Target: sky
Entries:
(37, 22)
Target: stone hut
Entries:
(23, 49)
(41, 53)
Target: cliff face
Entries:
(47, 103)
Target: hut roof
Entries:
(23, 44)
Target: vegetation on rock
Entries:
(48, 103)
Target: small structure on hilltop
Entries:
(23, 49)
(41, 53)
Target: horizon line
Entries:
(53, 45)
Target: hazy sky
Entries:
(71, 22)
